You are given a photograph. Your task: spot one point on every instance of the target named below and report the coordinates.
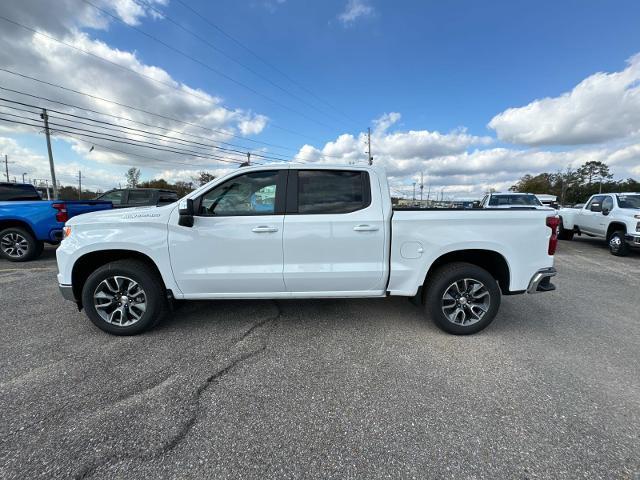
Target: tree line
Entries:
(576, 185)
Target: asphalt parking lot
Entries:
(327, 389)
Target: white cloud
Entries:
(353, 10)
(37, 56)
(604, 106)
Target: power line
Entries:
(270, 65)
(141, 133)
(230, 57)
(221, 132)
(141, 144)
(207, 66)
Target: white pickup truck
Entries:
(614, 217)
(302, 231)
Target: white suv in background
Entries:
(511, 200)
(612, 216)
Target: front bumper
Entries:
(541, 281)
(67, 292)
(632, 240)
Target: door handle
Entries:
(264, 229)
(365, 228)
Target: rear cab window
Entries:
(313, 192)
(514, 200)
(12, 192)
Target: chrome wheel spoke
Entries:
(120, 301)
(465, 301)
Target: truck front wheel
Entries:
(462, 298)
(564, 234)
(18, 245)
(617, 244)
(124, 297)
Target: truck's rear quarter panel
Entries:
(420, 237)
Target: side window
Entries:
(607, 203)
(113, 197)
(139, 197)
(332, 191)
(250, 194)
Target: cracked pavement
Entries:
(327, 388)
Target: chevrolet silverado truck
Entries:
(303, 231)
(27, 222)
(614, 217)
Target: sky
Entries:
(471, 94)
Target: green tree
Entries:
(203, 178)
(594, 170)
(133, 177)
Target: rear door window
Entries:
(113, 197)
(140, 197)
(10, 192)
(332, 191)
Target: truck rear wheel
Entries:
(564, 234)
(18, 245)
(462, 298)
(124, 297)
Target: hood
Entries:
(123, 215)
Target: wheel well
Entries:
(613, 226)
(491, 261)
(17, 223)
(89, 263)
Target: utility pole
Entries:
(428, 193)
(45, 117)
(23, 176)
(79, 184)
(6, 166)
(421, 185)
(414, 191)
(370, 158)
(248, 158)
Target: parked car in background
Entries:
(303, 231)
(548, 200)
(139, 197)
(614, 217)
(11, 192)
(511, 200)
(28, 222)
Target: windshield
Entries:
(629, 201)
(514, 200)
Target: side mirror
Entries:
(186, 213)
(605, 211)
(596, 207)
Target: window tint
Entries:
(607, 203)
(139, 197)
(514, 200)
(18, 192)
(629, 201)
(113, 197)
(249, 194)
(337, 191)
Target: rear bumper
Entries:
(55, 235)
(67, 292)
(541, 281)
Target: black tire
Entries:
(138, 272)
(440, 283)
(564, 234)
(617, 244)
(9, 237)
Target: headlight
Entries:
(66, 232)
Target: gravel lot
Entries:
(327, 389)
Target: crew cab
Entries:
(139, 197)
(614, 217)
(303, 231)
(27, 223)
(511, 200)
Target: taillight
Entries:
(553, 223)
(62, 215)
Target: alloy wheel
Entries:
(465, 301)
(120, 301)
(14, 245)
